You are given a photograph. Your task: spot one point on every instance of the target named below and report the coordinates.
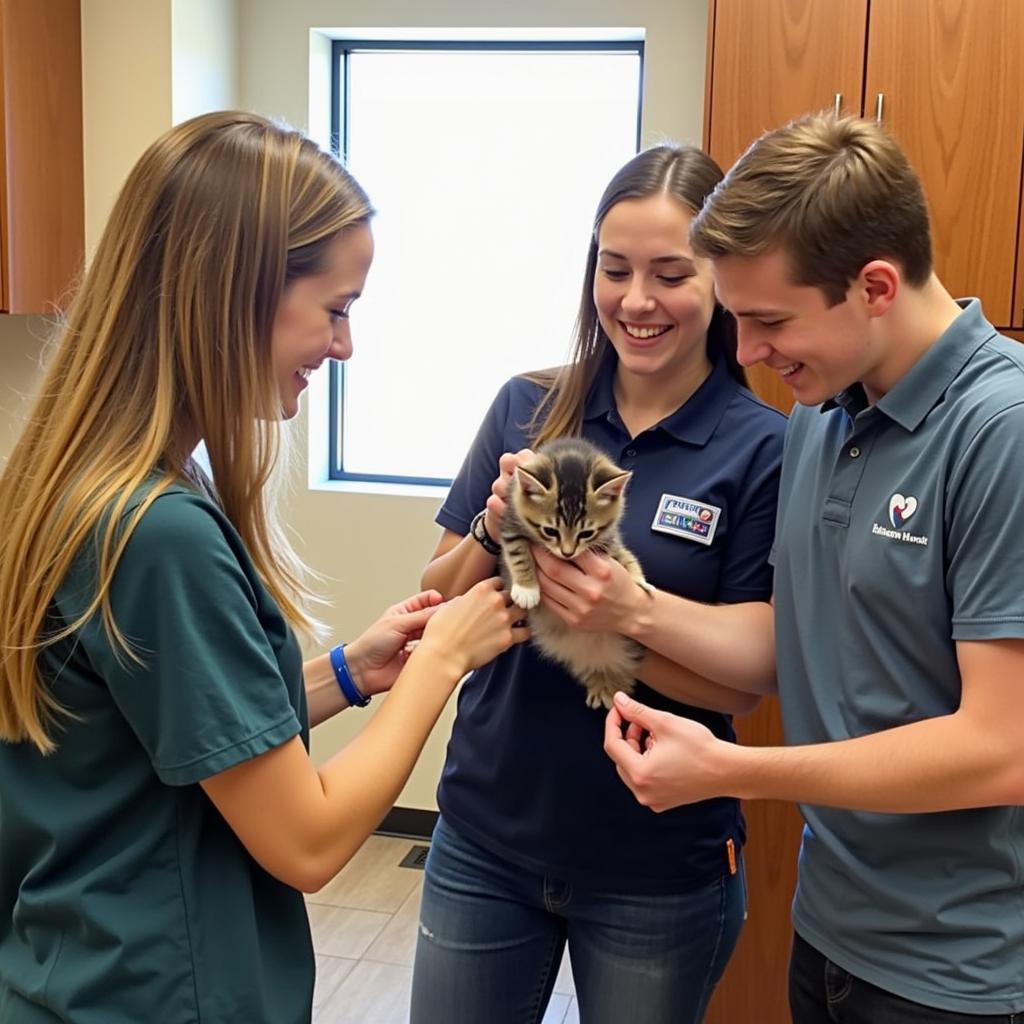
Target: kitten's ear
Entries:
(530, 485)
(612, 489)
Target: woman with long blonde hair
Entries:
(159, 813)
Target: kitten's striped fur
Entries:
(569, 498)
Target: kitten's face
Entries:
(569, 503)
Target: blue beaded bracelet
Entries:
(346, 684)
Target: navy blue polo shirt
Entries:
(526, 776)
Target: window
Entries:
(485, 162)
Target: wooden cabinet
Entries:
(772, 60)
(42, 201)
(950, 74)
(946, 77)
(768, 62)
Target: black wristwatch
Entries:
(481, 536)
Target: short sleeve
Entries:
(985, 532)
(210, 693)
(746, 570)
(796, 417)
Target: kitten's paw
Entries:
(525, 597)
(600, 694)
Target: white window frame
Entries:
(592, 41)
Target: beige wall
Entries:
(22, 339)
(126, 94)
(275, 45)
(204, 57)
(370, 547)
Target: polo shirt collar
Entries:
(852, 400)
(921, 388)
(693, 422)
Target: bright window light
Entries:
(485, 167)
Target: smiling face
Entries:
(817, 349)
(312, 324)
(654, 298)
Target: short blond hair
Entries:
(832, 193)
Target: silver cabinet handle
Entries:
(879, 104)
(839, 104)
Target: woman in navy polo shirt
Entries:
(539, 843)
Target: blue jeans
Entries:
(492, 934)
(821, 992)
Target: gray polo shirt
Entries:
(900, 532)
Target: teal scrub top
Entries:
(124, 895)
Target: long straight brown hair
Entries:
(687, 174)
(168, 338)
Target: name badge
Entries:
(684, 517)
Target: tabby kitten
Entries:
(569, 498)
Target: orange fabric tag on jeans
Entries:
(730, 851)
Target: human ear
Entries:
(878, 284)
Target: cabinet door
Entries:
(1018, 301)
(950, 74)
(768, 62)
(4, 292)
(772, 60)
(42, 211)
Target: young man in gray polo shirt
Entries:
(896, 632)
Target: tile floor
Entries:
(364, 933)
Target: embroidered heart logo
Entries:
(901, 509)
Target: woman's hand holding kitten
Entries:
(593, 592)
(497, 502)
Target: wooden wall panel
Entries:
(754, 985)
(1017, 319)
